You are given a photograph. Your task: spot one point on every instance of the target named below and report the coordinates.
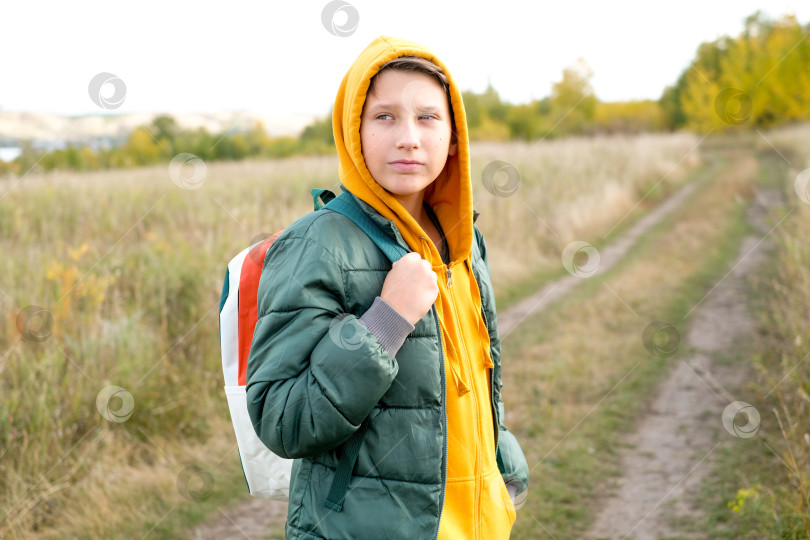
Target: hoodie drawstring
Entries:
(475, 293)
(462, 386)
(461, 383)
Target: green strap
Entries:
(343, 473)
(320, 197)
(346, 205)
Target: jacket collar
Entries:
(386, 225)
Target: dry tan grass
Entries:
(572, 189)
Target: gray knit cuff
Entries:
(387, 325)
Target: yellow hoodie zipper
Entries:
(465, 358)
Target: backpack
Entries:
(268, 475)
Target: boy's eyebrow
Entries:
(396, 104)
(380, 104)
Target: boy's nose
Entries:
(408, 136)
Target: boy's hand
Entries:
(411, 287)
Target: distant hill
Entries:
(18, 126)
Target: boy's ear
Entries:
(453, 144)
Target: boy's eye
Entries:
(384, 116)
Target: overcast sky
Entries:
(279, 57)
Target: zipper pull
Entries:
(449, 278)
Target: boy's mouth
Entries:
(405, 164)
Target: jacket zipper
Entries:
(444, 420)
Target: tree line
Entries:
(163, 138)
(759, 79)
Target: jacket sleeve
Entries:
(314, 372)
(511, 461)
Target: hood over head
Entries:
(450, 195)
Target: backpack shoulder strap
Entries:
(346, 205)
(343, 472)
(320, 197)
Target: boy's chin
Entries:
(403, 193)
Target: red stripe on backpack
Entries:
(248, 292)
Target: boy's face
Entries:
(405, 131)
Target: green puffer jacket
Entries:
(315, 373)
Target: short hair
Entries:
(419, 65)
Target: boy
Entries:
(401, 361)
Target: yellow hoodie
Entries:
(476, 502)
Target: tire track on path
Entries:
(608, 258)
(672, 448)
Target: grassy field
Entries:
(112, 280)
(581, 373)
(571, 189)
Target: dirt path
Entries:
(253, 519)
(672, 449)
(509, 319)
(256, 519)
